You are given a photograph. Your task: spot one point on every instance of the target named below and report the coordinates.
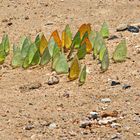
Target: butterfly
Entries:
(61, 64)
(74, 69)
(30, 56)
(42, 43)
(83, 29)
(57, 39)
(105, 61)
(104, 30)
(82, 76)
(120, 52)
(66, 38)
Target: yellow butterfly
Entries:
(57, 39)
(66, 38)
(43, 44)
(88, 45)
(74, 69)
(83, 29)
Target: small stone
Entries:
(85, 123)
(94, 115)
(28, 127)
(36, 137)
(138, 134)
(116, 136)
(26, 18)
(106, 100)
(122, 27)
(30, 86)
(133, 29)
(115, 125)
(114, 83)
(109, 114)
(9, 24)
(107, 120)
(125, 86)
(52, 126)
(67, 95)
(72, 133)
(53, 80)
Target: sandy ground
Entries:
(38, 108)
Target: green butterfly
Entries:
(82, 76)
(29, 58)
(92, 36)
(75, 44)
(51, 45)
(46, 57)
(101, 53)
(26, 42)
(105, 61)
(6, 43)
(120, 52)
(104, 30)
(17, 59)
(81, 51)
(4, 48)
(61, 65)
(98, 43)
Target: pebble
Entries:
(125, 86)
(28, 127)
(30, 86)
(122, 27)
(53, 80)
(52, 126)
(106, 100)
(116, 136)
(115, 125)
(138, 134)
(36, 137)
(114, 83)
(107, 120)
(94, 115)
(133, 29)
(85, 123)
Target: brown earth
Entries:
(39, 107)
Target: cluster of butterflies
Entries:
(62, 51)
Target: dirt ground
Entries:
(66, 104)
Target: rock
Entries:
(133, 29)
(72, 133)
(116, 136)
(52, 126)
(107, 120)
(66, 94)
(138, 134)
(85, 123)
(30, 86)
(137, 48)
(9, 23)
(94, 115)
(109, 114)
(28, 127)
(106, 100)
(53, 80)
(115, 125)
(125, 86)
(114, 83)
(122, 27)
(36, 137)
